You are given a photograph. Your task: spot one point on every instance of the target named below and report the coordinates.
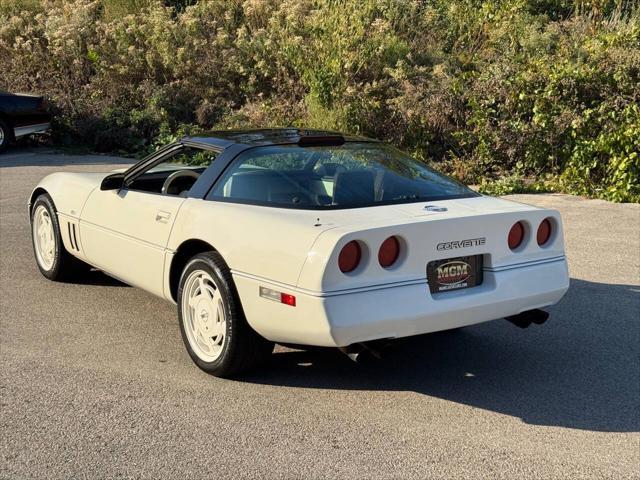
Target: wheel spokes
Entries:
(44, 237)
(205, 317)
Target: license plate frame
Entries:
(457, 273)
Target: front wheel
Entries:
(212, 323)
(53, 261)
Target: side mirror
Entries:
(115, 181)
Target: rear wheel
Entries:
(212, 323)
(5, 135)
(53, 261)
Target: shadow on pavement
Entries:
(580, 370)
(96, 277)
(17, 156)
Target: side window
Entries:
(176, 173)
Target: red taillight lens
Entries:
(349, 257)
(389, 252)
(516, 235)
(544, 232)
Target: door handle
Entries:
(162, 216)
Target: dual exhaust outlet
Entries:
(524, 319)
(374, 349)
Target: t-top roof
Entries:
(270, 136)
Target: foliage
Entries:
(486, 90)
(516, 184)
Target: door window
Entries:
(175, 173)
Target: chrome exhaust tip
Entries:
(359, 351)
(524, 319)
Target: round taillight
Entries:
(544, 232)
(349, 257)
(389, 252)
(516, 235)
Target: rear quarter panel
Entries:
(23, 110)
(270, 243)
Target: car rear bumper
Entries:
(24, 130)
(400, 311)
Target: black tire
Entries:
(64, 265)
(242, 348)
(5, 136)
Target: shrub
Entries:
(488, 90)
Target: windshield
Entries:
(355, 174)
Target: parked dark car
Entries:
(20, 115)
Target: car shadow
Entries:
(93, 276)
(17, 156)
(580, 370)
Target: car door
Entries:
(125, 231)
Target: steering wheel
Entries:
(179, 183)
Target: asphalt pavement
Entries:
(95, 381)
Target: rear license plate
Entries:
(454, 273)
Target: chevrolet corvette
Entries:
(300, 237)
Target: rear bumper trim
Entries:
(532, 263)
(382, 286)
(30, 129)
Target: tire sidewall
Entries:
(6, 139)
(224, 361)
(46, 201)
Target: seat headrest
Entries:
(354, 187)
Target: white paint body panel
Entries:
(126, 233)
(295, 251)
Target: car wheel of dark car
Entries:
(5, 135)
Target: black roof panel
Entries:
(269, 136)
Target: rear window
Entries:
(325, 177)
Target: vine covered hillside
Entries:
(513, 95)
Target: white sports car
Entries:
(300, 237)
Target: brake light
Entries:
(349, 257)
(389, 252)
(516, 235)
(544, 232)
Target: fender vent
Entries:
(73, 239)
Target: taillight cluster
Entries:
(518, 232)
(351, 254)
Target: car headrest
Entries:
(267, 186)
(330, 169)
(249, 186)
(354, 187)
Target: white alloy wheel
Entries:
(2, 136)
(203, 316)
(44, 237)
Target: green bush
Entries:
(513, 95)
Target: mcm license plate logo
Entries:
(453, 274)
(470, 242)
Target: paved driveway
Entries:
(95, 381)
